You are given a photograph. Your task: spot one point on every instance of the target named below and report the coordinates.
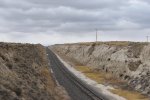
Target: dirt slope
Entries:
(24, 74)
(127, 61)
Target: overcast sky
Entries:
(60, 21)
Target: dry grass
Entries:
(129, 95)
(24, 73)
(49, 83)
(103, 78)
(100, 77)
(110, 43)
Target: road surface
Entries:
(76, 89)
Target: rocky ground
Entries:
(24, 74)
(128, 61)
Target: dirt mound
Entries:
(24, 74)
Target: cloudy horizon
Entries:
(63, 21)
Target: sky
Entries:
(65, 21)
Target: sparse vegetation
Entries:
(99, 76)
(128, 61)
(107, 78)
(110, 43)
(24, 73)
(129, 95)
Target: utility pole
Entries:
(96, 35)
(147, 38)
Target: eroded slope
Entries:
(24, 74)
(125, 60)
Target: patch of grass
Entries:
(110, 43)
(129, 95)
(48, 81)
(103, 78)
(100, 77)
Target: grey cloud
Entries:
(19, 4)
(138, 13)
(146, 1)
(72, 16)
(82, 4)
